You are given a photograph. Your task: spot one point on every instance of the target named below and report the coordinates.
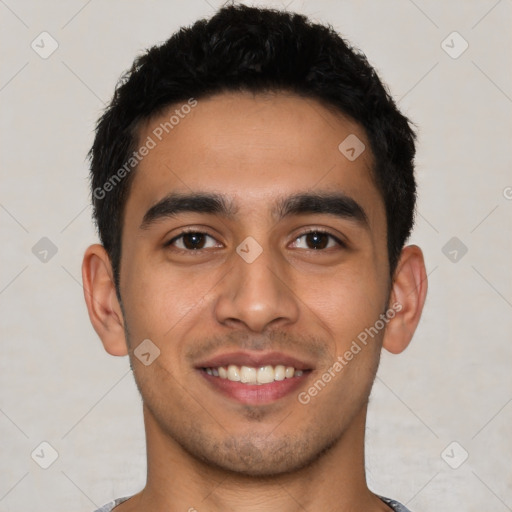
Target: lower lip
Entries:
(255, 394)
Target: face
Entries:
(253, 248)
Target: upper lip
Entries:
(254, 359)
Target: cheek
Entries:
(162, 303)
(348, 302)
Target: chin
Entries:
(262, 458)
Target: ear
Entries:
(101, 299)
(408, 296)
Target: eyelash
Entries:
(195, 231)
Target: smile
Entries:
(254, 375)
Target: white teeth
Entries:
(248, 374)
(279, 372)
(233, 373)
(265, 375)
(251, 375)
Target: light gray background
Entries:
(454, 383)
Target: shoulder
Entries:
(395, 505)
(108, 507)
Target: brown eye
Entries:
(192, 241)
(317, 240)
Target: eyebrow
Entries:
(174, 204)
(328, 203)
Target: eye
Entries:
(192, 241)
(317, 240)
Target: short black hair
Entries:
(255, 50)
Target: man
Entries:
(253, 189)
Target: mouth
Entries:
(254, 376)
(253, 379)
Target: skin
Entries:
(207, 451)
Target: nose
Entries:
(257, 294)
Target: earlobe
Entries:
(102, 303)
(408, 294)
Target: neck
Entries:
(176, 481)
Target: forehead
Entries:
(254, 149)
